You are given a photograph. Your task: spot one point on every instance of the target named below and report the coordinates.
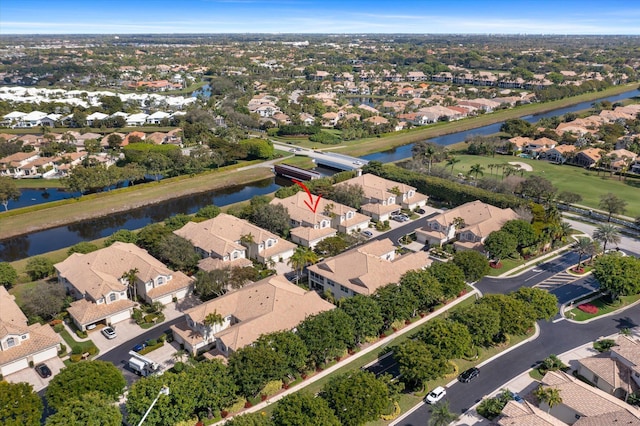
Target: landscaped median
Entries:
(596, 305)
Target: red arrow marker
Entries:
(312, 206)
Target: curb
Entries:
(515, 272)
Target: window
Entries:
(112, 297)
(160, 280)
(235, 254)
(11, 342)
(24, 336)
(344, 289)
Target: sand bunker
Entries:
(524, 166)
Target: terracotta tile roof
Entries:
(269, 305)
(178, 282)
(210, 263)
(85, 312)
(584, 399)
(377, 187)
(621, 417)
(12, 320)
(526, 414)
(628, 349)
(308, 233)
(379, 209)
(41, 338)
(370, 266)
(98, 273)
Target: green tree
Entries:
(133, 172)
(253, 367)
(83, 247)
(178, 253)
(303, 409)
(583, 246)
(250, 419)
(19, 405)
(214, 386)
(8, 275)
(90, 409)
(347, 194)
(208, 212)
(396, 303)
(272, 217)
(500, 245)
(523, 232)
(518, 127)
(473, 264)
(177, 221)
(424, 286)
(612, 204)
(550, 396)
(607, 233)
(327, 335)
(122, 235)
(618, 275)
(290, 346)
(211, 284)
(450, 277)
(8, 191)
(170, 409)
(258, 148)
(451, 338)
(44, 301)
(516, 317)
(77, 380)
(482, 322)
(39, 267)
(114, 141)
(475, 170)
(366, 316)
(418, 363)
(538, 188)
(332, 246)
(441, 414)
(357, 397)
(131, 276)
(302, 257)
(543, 303)
(452, 161)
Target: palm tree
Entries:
(302, 257)
(476, 170)
(248, 241)
(131, 276)
(583, 247)
(607, 233)
(452, 161)
(551, 396)
(441, 415)
(212, 319)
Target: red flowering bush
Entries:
(588, 308)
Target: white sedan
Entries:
(435, 395)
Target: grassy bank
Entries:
(50, 215)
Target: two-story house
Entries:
(21, 343)
(469, 223)
(364, 269)
(11, 164)
(384, 197)
(238, 318)
(98, 281)
(233, 241)
(309, 227)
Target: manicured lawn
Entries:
(69, 340)
(507, 265)
(603, 305)
(587, 183)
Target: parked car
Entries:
(420, 211)
(367, 234)
(517, 398)
(139, 346)
(435, 395)
(469, 375)
(109, 333)
(43, 371)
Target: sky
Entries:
(326, 17)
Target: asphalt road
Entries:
(119, 355)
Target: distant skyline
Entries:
(329, 16)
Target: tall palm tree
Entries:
(212, 319)
(549, 395)
(583, 247)
(607, 233)
(441, 415)
(248, 241)
(131, 276)
(452, 161)
(302, 257)
(476, 170)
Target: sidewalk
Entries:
(377, 345)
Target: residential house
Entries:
(97, 281)
(616, 372)
(157, 117)
(20, 343)
(137, 119)
(231, 239)
(328, 218)
(583, 404)
(469, 223)
(10, 165)
(364, 269)
(559, 154)
(267, 306)
(96, 116)
(307, 119)
(621, 159)
(526, 414)
(383, 197)
(588, 157)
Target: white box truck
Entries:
(141, 365)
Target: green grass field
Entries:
(585, 182)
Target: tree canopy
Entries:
(90, 409)
(304, 409)
(474, 265)
(19, 405)
(618, 275)
(356, 398)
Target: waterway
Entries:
(65, 236)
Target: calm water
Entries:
(64, 236)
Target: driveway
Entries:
(30, 376)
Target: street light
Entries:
(163, 391)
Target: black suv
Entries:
(469, 375)
(43, 371)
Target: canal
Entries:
(64, 236)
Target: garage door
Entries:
(120, 317)
(165, 300)
(15, 366)
(45, 355)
